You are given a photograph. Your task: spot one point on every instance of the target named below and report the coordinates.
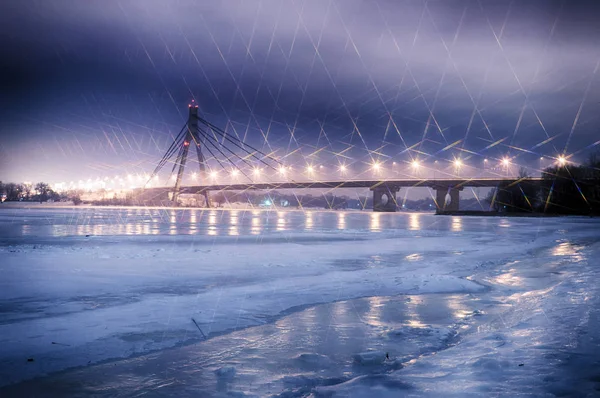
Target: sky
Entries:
(95, 88)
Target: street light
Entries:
(506, 162)
(310, 169)
(415, 164)
(562, 160)
(343, 168)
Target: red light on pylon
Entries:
(185, 143)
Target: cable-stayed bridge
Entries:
(238, 158)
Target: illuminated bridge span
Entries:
(384, 191)
(235, 154)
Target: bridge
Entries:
(384, 191)
(200, 133)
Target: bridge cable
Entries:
(213, 155)
(167, 155)
(231, 139)
(206, 135)
(172, 148)
(252, 154)
(221, 152)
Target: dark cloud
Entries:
(79, 76)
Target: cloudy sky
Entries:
(98, 88)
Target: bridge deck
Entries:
(371, 184)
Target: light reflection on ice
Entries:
(375, 225)
(414, 257)
(341, 220)
(255, 230)
(173, 223)
(509, 279)
(193, 221)
(457, 224)
(280, 221)
(567, 249)
(414, 223)
(308, 224)
(504, 223)
(212, 221)
(373, 316)
(456, 303)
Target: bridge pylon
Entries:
(202, 134)
(190, 138)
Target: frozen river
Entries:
(116, 302)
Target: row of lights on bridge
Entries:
(131, 181)
(375, 166)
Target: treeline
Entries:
(567, 189)
(40, 192)
(277, 199)
(327, 201)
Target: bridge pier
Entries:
(440, 198)
(384, 198)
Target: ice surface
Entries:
(473, 299)
(370, 358)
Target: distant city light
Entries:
(282, 170)
(256, 171)
(343, 168)
(213, 174)
(234, 172)
(457, 163)
(310, 169)
(415, 164)
(485, 160)
(376, 166)
(506, 162)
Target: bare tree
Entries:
(43, 190)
